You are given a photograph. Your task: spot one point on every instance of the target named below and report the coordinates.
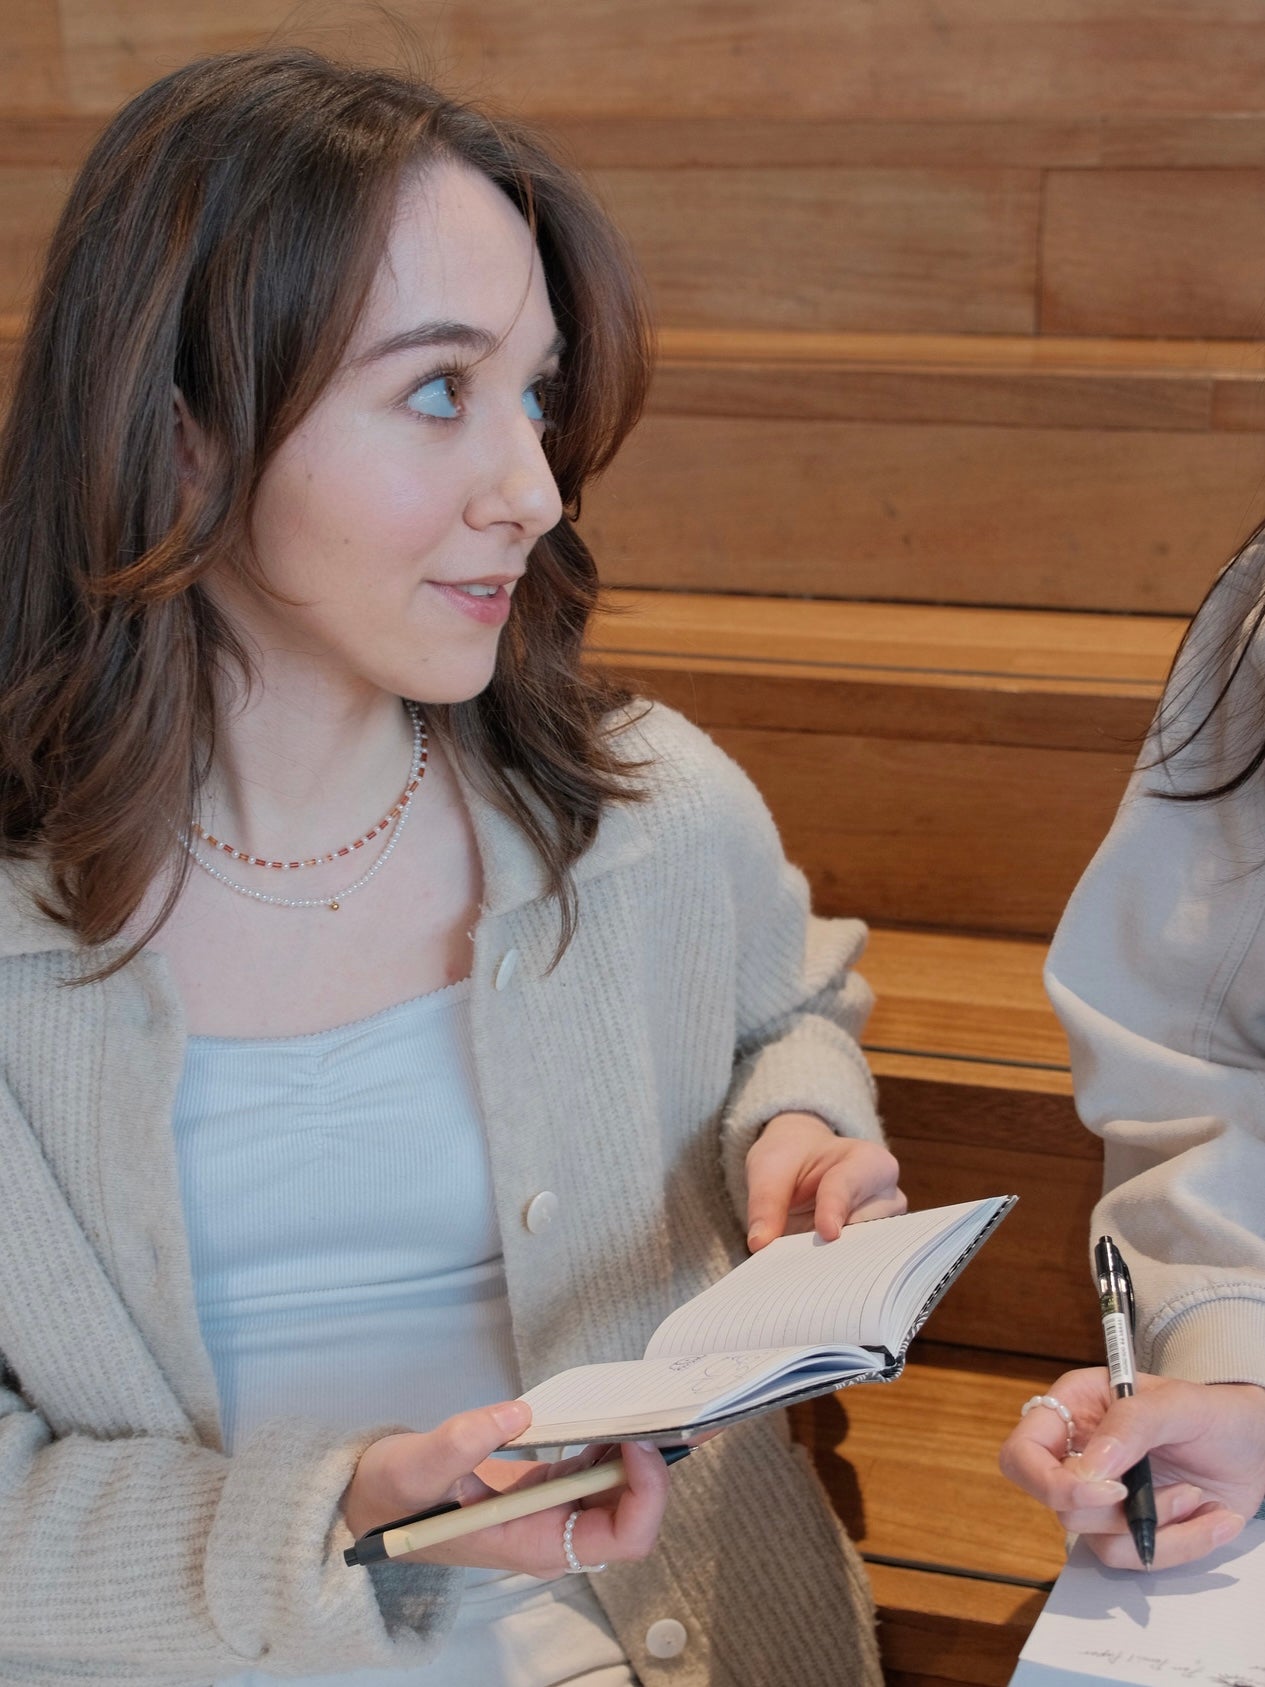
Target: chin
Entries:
(446, 688)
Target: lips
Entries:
(486, 601)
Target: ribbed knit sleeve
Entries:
(132, 1551)
(147, 1559)
(799, 1005)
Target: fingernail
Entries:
(511, 1417)
(1184, 1500)
(1227, 1529)
(757, 1233)
(1100, 1493)
(1098, 1460)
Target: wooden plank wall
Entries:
(969, 175)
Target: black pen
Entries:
(1115, 1300)
(440, 1522)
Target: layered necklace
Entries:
(392, 821)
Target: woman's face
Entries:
(398, 516)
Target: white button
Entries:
(541, 1211)
(506, 969)
(666, 1638)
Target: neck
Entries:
(295, 773)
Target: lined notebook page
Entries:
(665, 1392)
(801, 1291)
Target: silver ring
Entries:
(574, 1566)
(1054, 1404)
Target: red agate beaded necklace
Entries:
(394, 818)
(417, 772)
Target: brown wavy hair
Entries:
(222, 238)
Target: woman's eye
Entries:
(436, 397)
(534, 403)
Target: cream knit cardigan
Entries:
(697, 999)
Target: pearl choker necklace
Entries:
(394, 818)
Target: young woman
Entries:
(1158, 974)
(394, 1013)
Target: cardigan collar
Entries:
(513, 873)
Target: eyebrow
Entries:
(446, 334)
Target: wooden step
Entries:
(976, 1096)
(926, 766)
(959, 1560)
(965, 469)
(1016, 380)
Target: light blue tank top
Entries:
(346, 1256)
(347, 1267)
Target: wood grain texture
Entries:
(30, 200)
(739, 58)
(984, 837)
(1064, 681)
(997, 380)
(1030, 1292)
(975, 998)
(808, 249)
(912, 1470)
(1071, 141)
(913, 250)
(931, 641)
(669, 141)
(878, 1448)
(31, 64)
(944, 1631)
(1154, 252)
(1138, 522)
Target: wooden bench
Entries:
(975, 1093)
(928, 766)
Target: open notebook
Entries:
(801, 1317)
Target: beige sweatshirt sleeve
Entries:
(1158, 975)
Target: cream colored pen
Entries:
(448, 1521)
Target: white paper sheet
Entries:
(1199, 1626)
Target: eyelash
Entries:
(546, 389)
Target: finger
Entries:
(889, 1205)
(865, 1178)
(772, 1176)
(466, 1440)
(1037, 1445)
(1209, 1529)
(1132, 1427)
(1174, 1504)
(1034, 1458)
(628, 1528)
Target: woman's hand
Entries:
(1206, 1443)
(402, 1474)
(801, 1176)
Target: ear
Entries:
(188, 442)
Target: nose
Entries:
(517, 488)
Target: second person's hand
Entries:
(1205, 1441)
